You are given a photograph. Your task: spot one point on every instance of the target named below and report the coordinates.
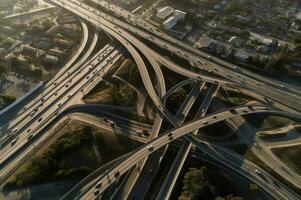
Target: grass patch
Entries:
(290, 156)
(112, 145)
(172, 78)
(175, 101)
(272, 136)
(243, 150)
(265, 122)
(5, 100)
(219, 129)
(118, 94)
(134, 117)
(129, 71)
(69, 157)
(233, 98)
(72, 156)
(220, 181)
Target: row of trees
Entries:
(202, 184)
(62, 160)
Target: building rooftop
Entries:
(164, 12)
(242, 54)
(170, 22)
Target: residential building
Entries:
(170, 22)
(243, 55)
(163, 13)
(236, 41)
(51, 59)
(180, 15)
(63, 43)
(56, 52)
(31, 50)
(53, 30)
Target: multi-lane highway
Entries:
(247, 134)
(173, 134)
(262, 85)
(144, 181)
(145, 25)
(80, 75)
(8, 124)
(95, 68)
(182, 154)
(242, 166)
(89, 13)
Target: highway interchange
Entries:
(69, 84)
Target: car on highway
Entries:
(111, 122)
(15, 130)
(150, 147)
(233, 111)
(96, 192)
(32, 113)
(108, 121)
(117, 174)
(30, 137)
(245, 111)
(14, 141)
(261, 176)
(98, 185)
(170, 136)
(143, 132)
(255, 144)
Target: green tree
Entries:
(229, 197)
(245, 34)
(2, 69)
(176, 99)
(276, 62)
(14, 62)
(197, 185)
(232, 6)
(193, 19)
(298, 48)
(254, 188)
